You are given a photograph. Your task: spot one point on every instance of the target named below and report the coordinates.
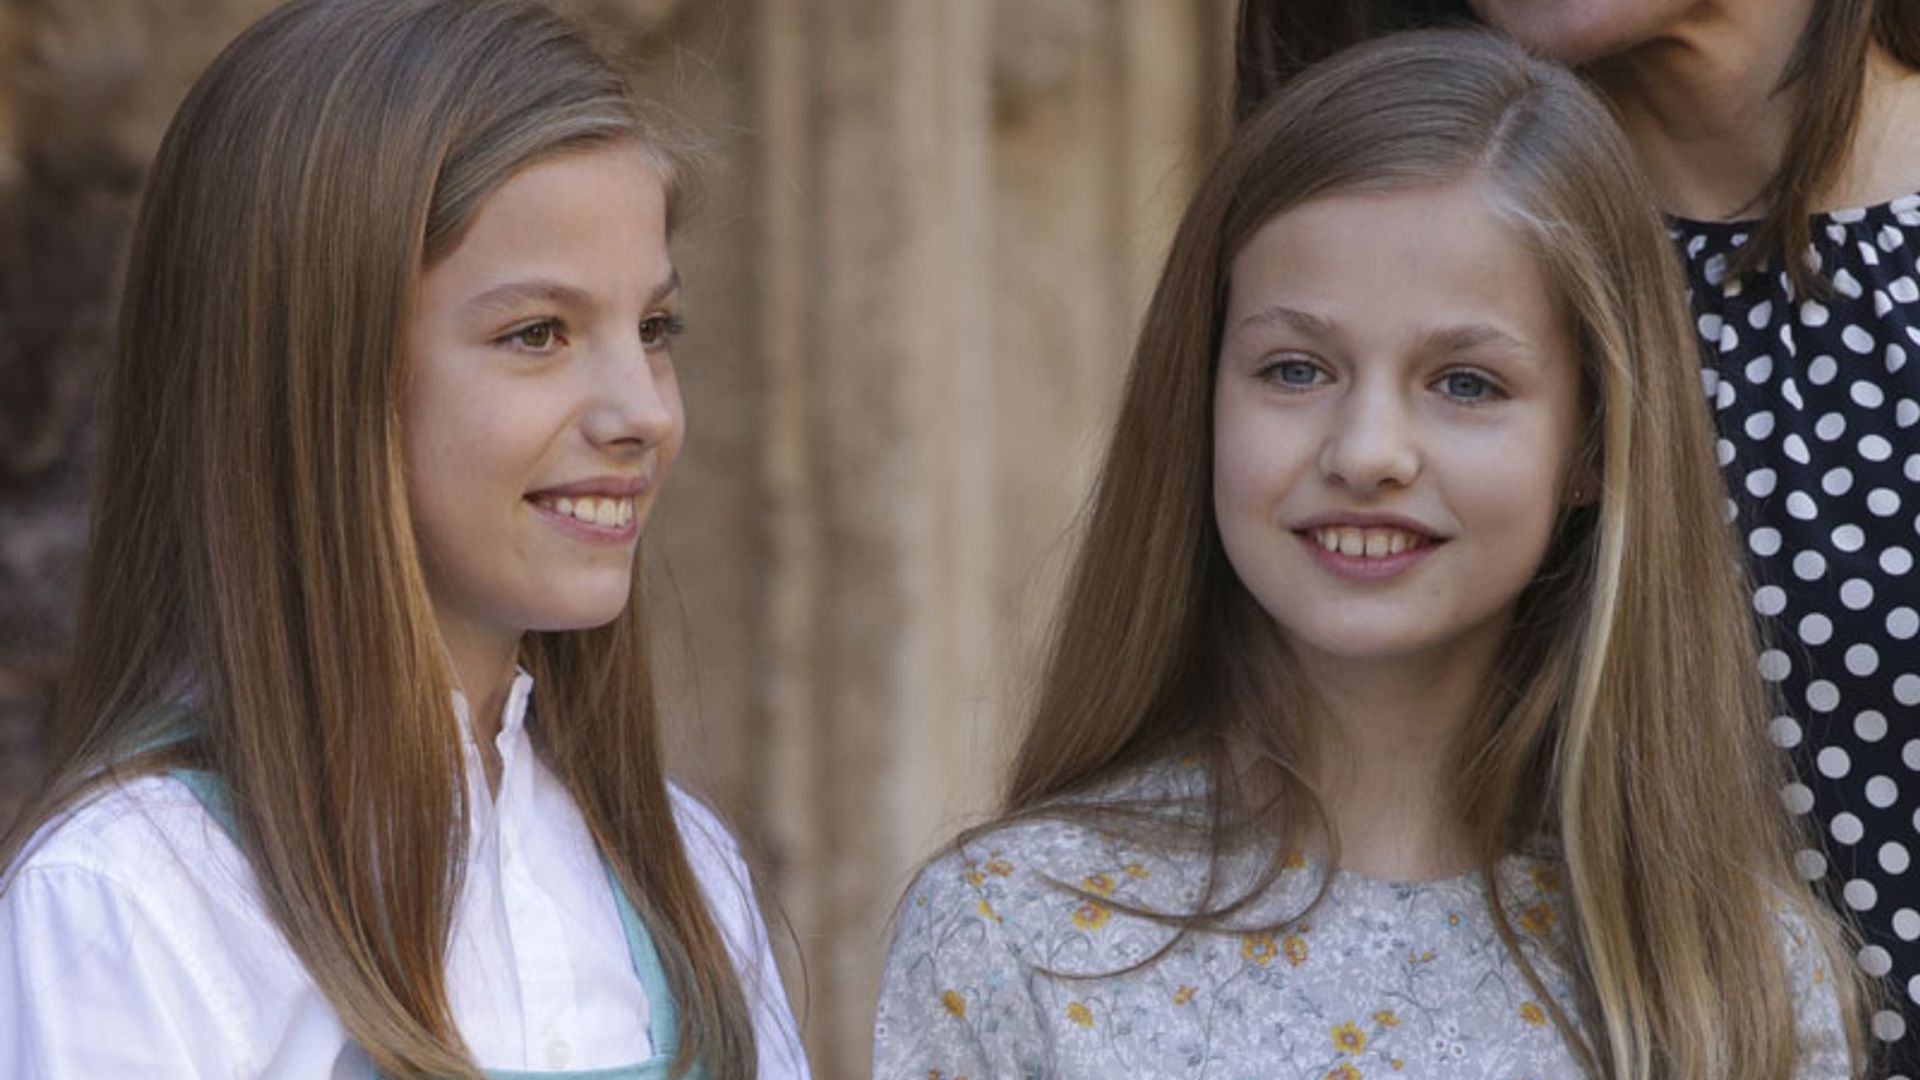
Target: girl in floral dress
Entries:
(1356, 753)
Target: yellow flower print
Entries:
(986, 911)
(954, 1003)
(1545, 878)
(1183, 995)
(1293, 861)
(1386, 1018)
(1537, 920)
(1080, 1014)
(1296, 949)
(1453, 920)
(1396, 1064)
(1136, 871)
(1090, 916)
(1819, 974)
(1533, 1014)
(1098, 884)
(999, 867)
(1343, 1071)
(975, 878)
(1348, 1038)
(1257, 948)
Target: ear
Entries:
(1583, 483)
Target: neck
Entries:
(1703, 104)
(1386, 759)
(1707, 107)
(483, 668)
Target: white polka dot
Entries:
(1906, 690)
(1894, 857)
(1813, 313)
(1907, 413)
(1855, 593)
(1729, 513)
(1710, 327)
(1723, 395)
(1822, 696)
(1797, 797)
(1790, 393)
(1860, 894)
(1884, 502)
(1760, 482)
(1765, 541)
(1801, 506)
(1760, 368)
(1846, 284)
(1874, 448)
(1857, 339)
(1875, 961)
(1870, 726)
(1904, 290)
(1882, 791)
(1867, 395)
(1795, 447)
(1759, 425)
(1811, 865)
(1809, 565)
(1833, 764)
(1910, 755)
(1902, 623)
(1761, 314)
(1889, 238)
(1896, 561)
(1714, 269)
(1830, 427)
(1723, 452)
(1906, 923)
(1774, 665)
(1863, 660)
(1785, 732)
(1816, 629)
(1896, 358)
(1709, 379)
(1769, 600)
(1888, 1026)
(1913, 984)
(1837, 481)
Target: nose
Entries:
(634, 400)
(1371, 444)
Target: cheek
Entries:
(1578, 31)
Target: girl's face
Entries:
(1578, 31)
(1395, 419)
(541, 408)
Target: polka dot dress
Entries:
(1817, 403)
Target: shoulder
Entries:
(1817, 973)
(721, 870)
(137, 834)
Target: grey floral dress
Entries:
(997, 972)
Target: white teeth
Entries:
(606, 513)
(1366, 543)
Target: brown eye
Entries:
(657, 330)
(537, 337)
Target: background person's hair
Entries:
(1276, 39)
(252, 553)
(1624, 727)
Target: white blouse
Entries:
(133, 942)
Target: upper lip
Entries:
(1367, 519)
(606, 487)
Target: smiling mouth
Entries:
(1370, 543)
(590, 509)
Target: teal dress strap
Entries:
(663, 1022)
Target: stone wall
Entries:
(926, 232)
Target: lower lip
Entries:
(588, 531)
(1362, 568)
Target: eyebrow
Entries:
(514, 293)
(1452, 339)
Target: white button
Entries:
(558, 1054)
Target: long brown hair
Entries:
(252, 554)
(1276, 39)
(1624, 725)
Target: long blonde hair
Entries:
(252, 553)
(1625, 722)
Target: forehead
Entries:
(601, 213)
(1421, 258)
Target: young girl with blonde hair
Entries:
(1401, 716)
(356, 770)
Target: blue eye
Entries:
(1467, 386)
(1293, 373)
